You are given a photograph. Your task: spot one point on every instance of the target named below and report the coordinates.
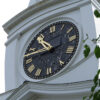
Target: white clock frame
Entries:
(63, 71)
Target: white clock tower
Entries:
(74, 80)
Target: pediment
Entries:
(34, 91)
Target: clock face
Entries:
(51, 50)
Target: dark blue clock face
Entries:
(51, 50)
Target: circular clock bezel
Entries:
(35, 33)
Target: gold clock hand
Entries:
(45, 44)
(38, 51)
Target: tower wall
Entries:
(21, 30)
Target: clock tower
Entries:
(45, 47)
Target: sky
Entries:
(8, 9)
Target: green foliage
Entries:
(86, 51)
(97, 51)
(84, 98)
(95, 95)
(96, 40)
(97, 14)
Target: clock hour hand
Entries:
(45, 44)
(56, 43)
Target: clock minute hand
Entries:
(35, 52)
(45, 44)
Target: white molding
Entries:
(38, 7)
(28, 23)
(96, 3)
(5, 95)
(38, 89)
(34, 2)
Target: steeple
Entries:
(33, 2)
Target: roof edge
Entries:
(32, 10)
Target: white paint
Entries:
(33, 2)
(96, 3)
(36, 91)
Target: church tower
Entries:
(44, 51)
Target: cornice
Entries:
(34, 9)
(76, 88)
(34, 2)
(5, 95)
(96, 3)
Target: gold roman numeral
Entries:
(70, 49)
(31, 68)
(72, 38)
(38, 72)
(61, 62)
(62, 27)
(32, 49)
(49, 70)
(69, 30)
(29, 61)
(52, 29)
